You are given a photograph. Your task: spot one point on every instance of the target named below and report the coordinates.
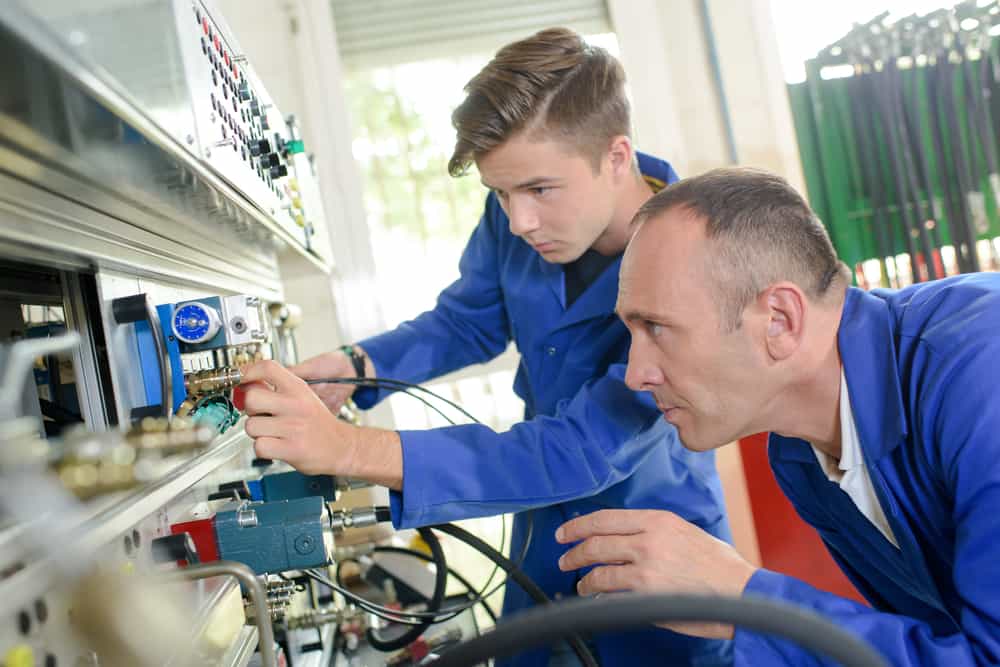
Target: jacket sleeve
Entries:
(955, 425)
(468, 325)
(597, 439)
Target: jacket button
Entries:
(550, 351)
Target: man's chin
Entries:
(694, 443)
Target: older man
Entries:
(882, 406)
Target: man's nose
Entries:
(523, 217)
(641, 374)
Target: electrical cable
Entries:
(394, 615)
(440, 583)
(405, 387)
(515, 573)
(383, 514)
(615, 613)
(395, 385)
(473, 594)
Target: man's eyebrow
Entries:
(633, 315)
(530, 183)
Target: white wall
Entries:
(678, 111)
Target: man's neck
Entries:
(616, 236)
(809, 408)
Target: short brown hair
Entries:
(552, 81)
(764, 232)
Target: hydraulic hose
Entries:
(544, 625)
(420, 555)
(440, 582)
(523, 580)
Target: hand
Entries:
(334, 364)
(654, 551)
(288, 421)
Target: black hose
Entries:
(540, 626)
(523, 580)
(963, 235)
(954, 201)
(871, 171)
(884, 101)
(920, 215)
(473, 593)
(440, 583)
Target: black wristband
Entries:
(357, 359)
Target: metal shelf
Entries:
(99, 526)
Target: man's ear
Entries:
(786, 308)
(620, 156)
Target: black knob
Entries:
(171, 548)
(255, 107)
(279, 171)
(271, 160)
(244, 91)
(231, 491)
(259, 147)
(261, 463)
(133, 308)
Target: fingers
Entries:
(273, 374)
(259, 399)
(597, 550)
(609, 579)
(268, 448)
(607, 522)
(266, 427)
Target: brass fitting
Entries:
(216, 379)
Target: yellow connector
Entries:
(21, 655)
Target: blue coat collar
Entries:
(866, 339)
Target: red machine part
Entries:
(787, 543)
(202, 531)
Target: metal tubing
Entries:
(251, 584)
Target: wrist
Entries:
(359, 360)
(374, 455)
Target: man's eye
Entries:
(540, 191)
(654, 328)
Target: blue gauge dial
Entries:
(194, 322)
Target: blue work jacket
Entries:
(922, 366)
(587, 442)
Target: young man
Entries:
(547, 124)
(882, 407)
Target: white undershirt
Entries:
(850, 472)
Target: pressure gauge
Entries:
(194, 322)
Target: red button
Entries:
(204, 25)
